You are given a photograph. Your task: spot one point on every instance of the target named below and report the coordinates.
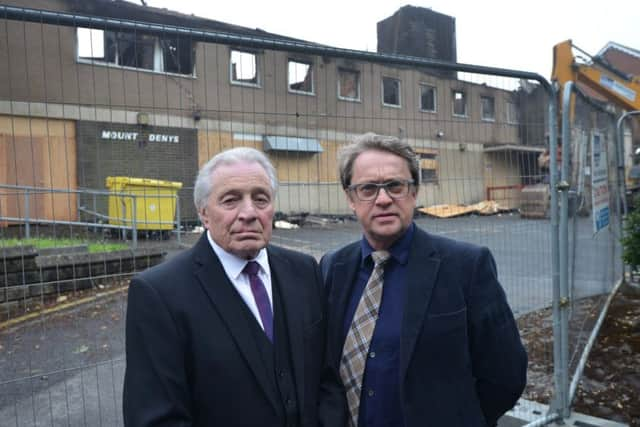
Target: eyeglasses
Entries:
(367, 191)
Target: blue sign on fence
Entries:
(599, 183)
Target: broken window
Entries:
(427, 98)
(428, 165)
(391, 91)
(488, 108)
(348, 84)
(136, 50)
(300, 77)
(244, 67)
(459, 103)
(513, 115)
(171, 53)
(177, 54)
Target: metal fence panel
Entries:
(593, 262)
(85, 99)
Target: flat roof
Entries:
(286, 143)
(513, 147)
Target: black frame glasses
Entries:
(368, 191)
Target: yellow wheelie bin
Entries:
(143, 203)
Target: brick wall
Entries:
(134, 151)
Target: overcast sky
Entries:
(498, 33)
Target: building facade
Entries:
(80, 104)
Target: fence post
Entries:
(178, 219)
(564, 303)
(558, 373)
(134, 225)
(78, 203)
(27, 219)
(123, 217)
(95, 209)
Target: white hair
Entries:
(203, 185)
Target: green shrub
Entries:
(631, 239)
(44, 242)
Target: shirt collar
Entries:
(233, 264)
(399, 250)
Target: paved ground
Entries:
(521, 248)
(67, 368)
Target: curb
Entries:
(51, 310)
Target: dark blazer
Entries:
(461, 359)
(192, 359)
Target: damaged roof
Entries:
(121, 9)
(623, 58)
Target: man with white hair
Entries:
(232, 331)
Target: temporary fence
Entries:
(148, 210)
(592, 194)
(84, 98)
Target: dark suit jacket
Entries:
(191, 356)
(461, 359)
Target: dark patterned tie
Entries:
(356, 346)
(261, 297)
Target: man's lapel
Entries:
(422, 271)
(291, 288)
(342, 280)
(223, 296)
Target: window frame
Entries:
(158, 61)
(510, 120)
(358, 85)
(257, 62)
(482, 111)
(429, 156)
(311, 70)
(91, 32)
(453, 103)
(435, 97)
(385, 104)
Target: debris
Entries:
(82, 349)
(285, 225)
(486, 207)
(61, 298)
(316, 220)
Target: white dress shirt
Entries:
(233, 266)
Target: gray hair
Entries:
(203, 185)
(370, 141)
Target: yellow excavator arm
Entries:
(617, 88)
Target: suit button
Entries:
(281, 374)
(371, 393)
(372, 354)
(289, 402)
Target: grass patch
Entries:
(45, 243)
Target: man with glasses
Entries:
(419, 326)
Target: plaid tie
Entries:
(356, 346)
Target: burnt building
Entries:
(80, 103)
(417, 31)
